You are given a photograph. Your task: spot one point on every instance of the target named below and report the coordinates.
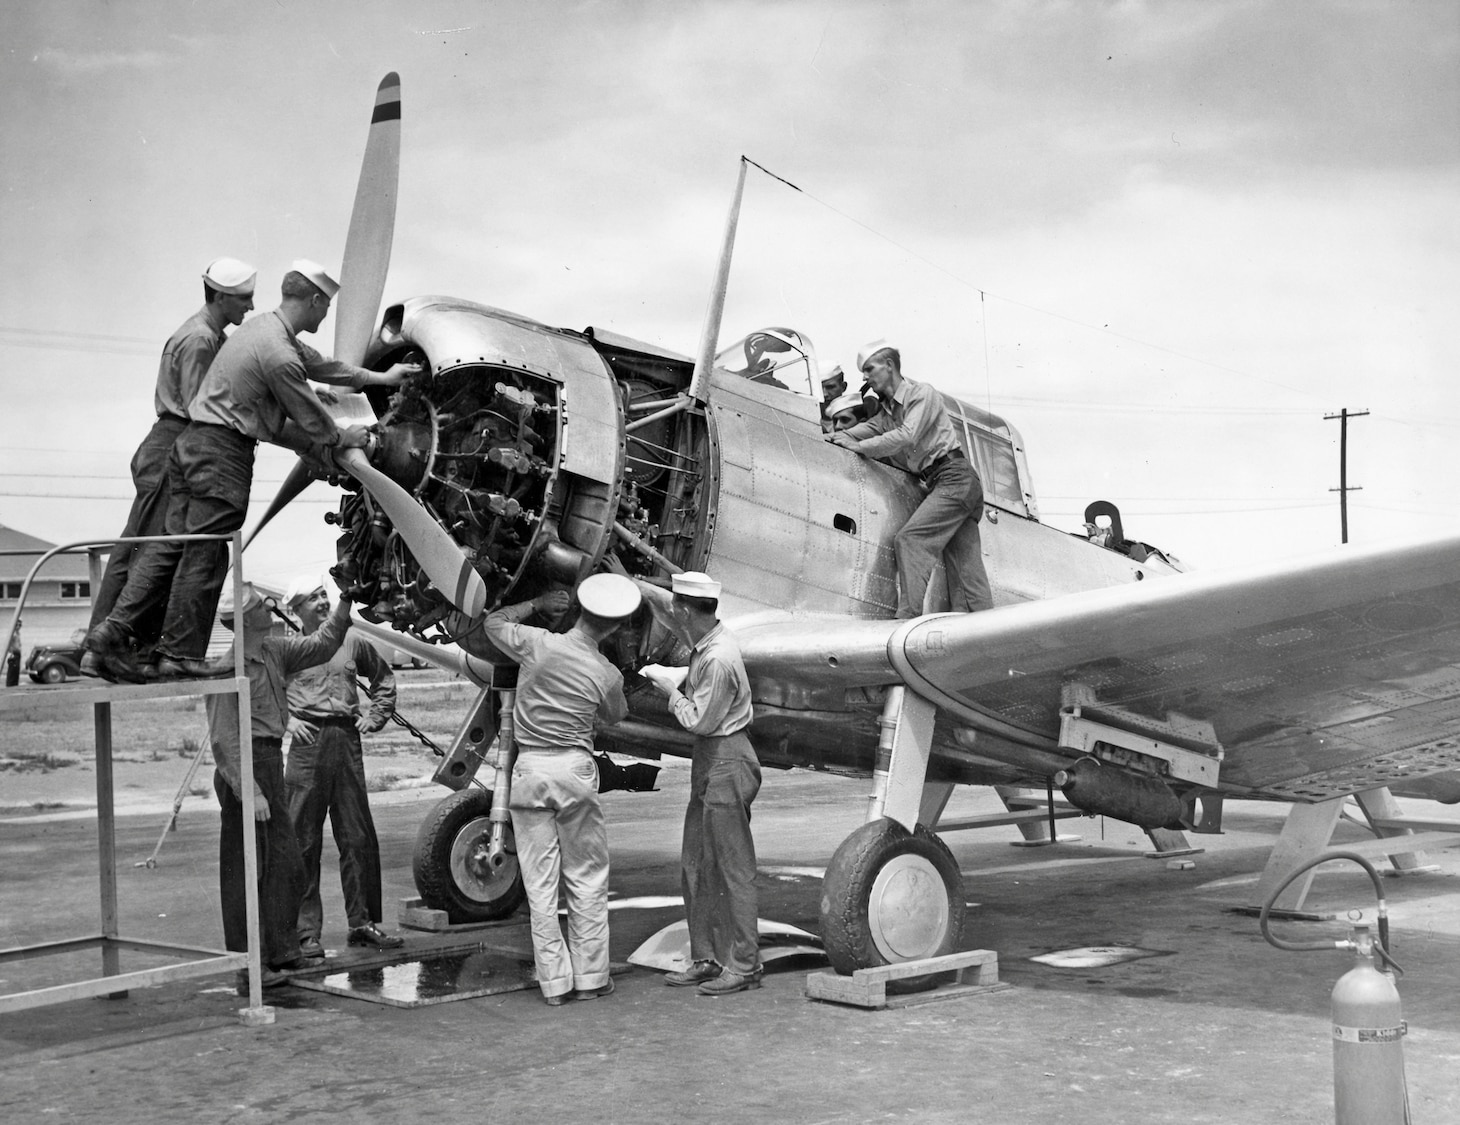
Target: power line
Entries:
(1103, 329)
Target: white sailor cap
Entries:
(316, 274)
(251, 598)
(849, 401)
(229, 275)
(867, 351)
(695, 584)
(835, 373)
(608, 595)
(302, 587)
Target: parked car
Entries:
(55, 664)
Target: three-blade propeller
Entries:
(362, 284)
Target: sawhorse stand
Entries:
(1308, 832)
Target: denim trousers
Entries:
(148, 516)
(717, 858)
(326, 777)
(209, 475)
(280, 873)
(945, 527)
(562, 841)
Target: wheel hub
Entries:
(907, 910)
(471, 872)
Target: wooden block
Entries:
(977, 971)
(418, 916)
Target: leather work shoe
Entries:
(188, 668)
(91, 665)
(268, 978)
(108, 637)
(557, 1001)
(728, 982)
(594, 993)
(127, 668)
(374, 935)
(310, 947)
(697, 973)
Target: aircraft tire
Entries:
(890, 896)
(444, 877)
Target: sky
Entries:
(1163, 240)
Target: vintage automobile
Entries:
(55, 664)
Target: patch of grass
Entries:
(35, 761)
(382, 781)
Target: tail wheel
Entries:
(450, 861)
(890, 896)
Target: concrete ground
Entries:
(1220, 1027)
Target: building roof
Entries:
(14, 568)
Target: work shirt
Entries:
(259, 380)
(715, 698)
(912, 431)
(565, 682)
(331, 690)
(268, 674)
(185, 360)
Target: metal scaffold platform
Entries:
(191, 961)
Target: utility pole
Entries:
(1343, 489)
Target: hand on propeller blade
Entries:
(356, 437)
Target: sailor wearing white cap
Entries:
(316, 275)
(717, 861)
(845, 410)
(257, 389)
(564, 687)
(269, 661)
(227, 296)
(912, 431)
(326, 771)
(229, 275)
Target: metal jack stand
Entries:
(182, 791)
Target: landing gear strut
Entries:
(893, 891)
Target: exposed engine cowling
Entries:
(476, 448)
(514, 441)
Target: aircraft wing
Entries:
(1320, 676)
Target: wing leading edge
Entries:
(1320, 676)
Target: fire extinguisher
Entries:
(1368, 1028)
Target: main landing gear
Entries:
(893, 891)
(450, 863)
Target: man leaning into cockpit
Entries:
(912, 431)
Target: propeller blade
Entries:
(444, 562)
(297, 481)
(372, 225)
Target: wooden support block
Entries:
(261, 1016)
(977, 971)
(416, 915)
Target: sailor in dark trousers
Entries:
(269, 662)
(717, 860)
(228, 286)
(326, 772)
(913, 432)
